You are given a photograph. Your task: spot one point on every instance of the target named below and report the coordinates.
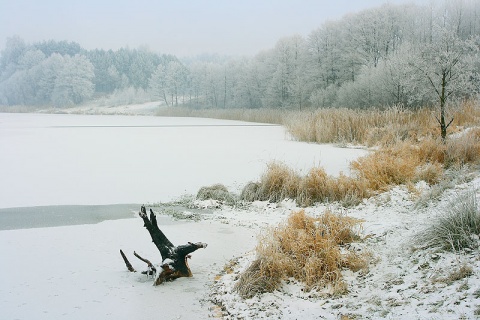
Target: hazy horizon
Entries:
(184, 28)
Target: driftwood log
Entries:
(174, 258)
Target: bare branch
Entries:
(449, 123)
(143, 259)
(127, 263)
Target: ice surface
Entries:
(75, 159)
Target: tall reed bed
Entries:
(369, 127)
(377, 127)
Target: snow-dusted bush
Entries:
(250, 192)
(215, 192)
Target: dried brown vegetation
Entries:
(280, 182)
(311, 250)
(377, 127)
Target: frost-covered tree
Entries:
(324, 49)
(10, 56)
(443, 70)
(287, 78)
(158, 84)
(176, 78)
(74, 82)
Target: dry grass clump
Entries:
(318, 186)
(385, 168)
(280, 182)
(403, 163)
(306, 248)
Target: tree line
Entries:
(410, 55)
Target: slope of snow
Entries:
(401, 283)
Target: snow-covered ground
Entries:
(401, 283)
(144, 109)
(76, 272)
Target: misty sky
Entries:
(180, 27)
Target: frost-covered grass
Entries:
(457, 225)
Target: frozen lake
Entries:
(70, 160)
(86, 160)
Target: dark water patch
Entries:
(63, 215)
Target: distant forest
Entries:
(390, 55)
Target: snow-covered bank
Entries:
(140, 109)
(401, 283)
(73, 159)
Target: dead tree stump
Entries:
(174, 258)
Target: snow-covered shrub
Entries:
(215, 192)
(250, 192)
